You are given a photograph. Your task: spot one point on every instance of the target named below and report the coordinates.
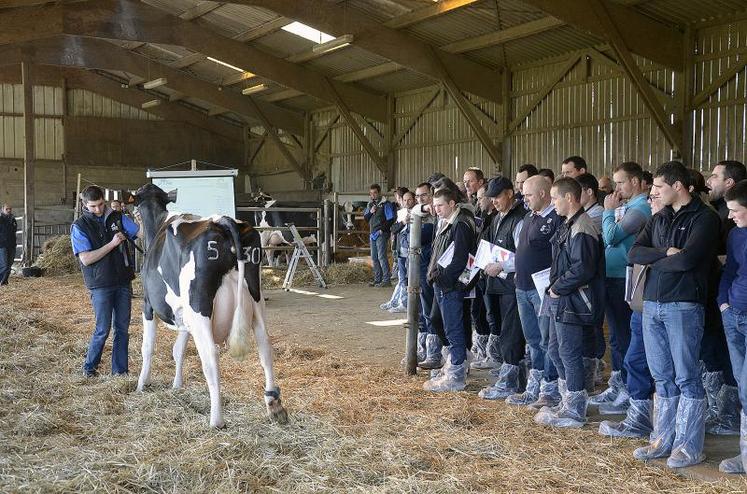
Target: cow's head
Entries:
(151, 202)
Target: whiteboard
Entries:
(201, 196)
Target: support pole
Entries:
(413, 295)
(28, 164)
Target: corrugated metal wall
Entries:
(84, 103)
(48, 131)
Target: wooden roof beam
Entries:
(425, 13)
(113, 19)
(640, 34)
(389, 43)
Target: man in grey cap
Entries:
(500, 290)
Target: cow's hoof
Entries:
(218, 424)
(277, 412)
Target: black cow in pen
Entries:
(201, 277)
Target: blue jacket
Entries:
(380, 221)
(577, 271)
(620, 235)
(733, 287)
(682, 277)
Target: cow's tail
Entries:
(239, 342)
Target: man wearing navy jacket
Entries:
(456, 233)
(380, 215)
(678, 246)
(575, 299)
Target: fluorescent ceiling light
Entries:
(253, 89)
(151, 103)
(221, 62)
(333, 45)
(307, 32)
(161, 81)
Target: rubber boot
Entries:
(712, 383)
(619, 406)
(690, 433)
(738, 464)
(570, 415)
(453, 378)
(726, 421)
(492, 359)
(479, 350)
(609, 395)
(433, 359)
(637, 422)
(531, 393)
(590, 370)
(662, 438)
(506, 385)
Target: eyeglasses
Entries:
(417, 196)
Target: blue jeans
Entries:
(110, 303)
(426, 297)
(402, 276)
(735, 326)
(6, 262)
(380, 260)
(639, 381)
(536, 332)
(618, 314)
(672, 333)
(566, 348)
(451, 304)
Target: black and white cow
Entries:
(201, 277)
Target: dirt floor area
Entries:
(357, 423)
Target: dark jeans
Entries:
(714, 351)
(426, 298)
(639, 381)
(512, 336)
(566, 349)
(110, 304)
(478, 311)
(618, 314)
(735, 325)
(451, 306)
(379, 259)
(6, 262)
(493, 312)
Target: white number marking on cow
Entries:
(211, 247)
(254, 254)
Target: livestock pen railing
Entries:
(362, 238)
(42, 233)
(322, 246)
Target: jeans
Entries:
(380, 260)
(426, 297)
(714, 351)
(735, 326)
(566, 349)
(451, 305)
(618, 314)
(110, 303)
(6, 262)
(536, 332)
(402, 275)
(672, 333)
(493, 312)
(639, 381)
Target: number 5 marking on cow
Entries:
(253, 254)
(212, 250)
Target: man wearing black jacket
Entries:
(677, 245)
(575, 298)
(456, 234)
(8, 228)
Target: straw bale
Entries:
(57, 257)
(335, 274)
(354, 427)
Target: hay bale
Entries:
(58, 258)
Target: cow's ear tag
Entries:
(172, 195)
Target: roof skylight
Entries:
(307, 32)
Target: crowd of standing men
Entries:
(661, 257)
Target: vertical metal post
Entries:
(76, 202)
(326, 243)
(335, 212)
(413, 295)
(320, 236)
(28, 164)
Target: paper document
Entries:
(402, 215)
(488, 253)
(447, 256)
(470, 271)
(541, 281)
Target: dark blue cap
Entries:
(497, 185)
